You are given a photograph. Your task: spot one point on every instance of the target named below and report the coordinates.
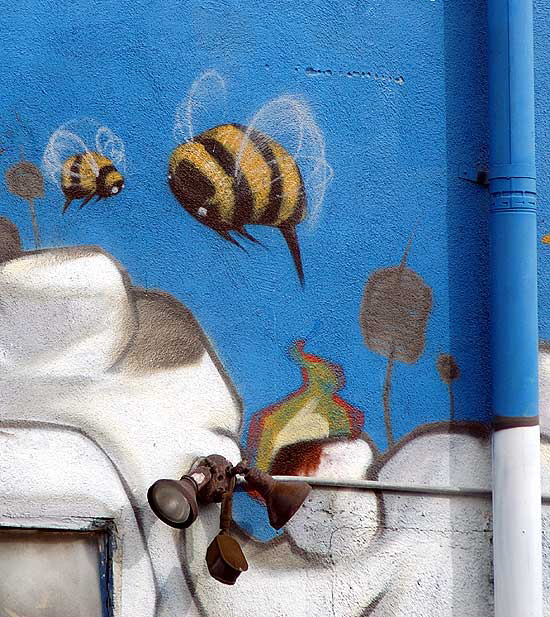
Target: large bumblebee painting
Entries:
(85, 172)
(232, 175)
(265, 188)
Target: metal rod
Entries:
(389, 487)
(374, 485)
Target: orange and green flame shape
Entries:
(312, 414)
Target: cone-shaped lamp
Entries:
(282, 499)
(174, 501)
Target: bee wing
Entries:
(63, 144)
(289, 121)
(111, 146)
(202, 107)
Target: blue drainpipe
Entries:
(513, 306)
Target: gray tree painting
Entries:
(393, 316)
(25, 180)
(449, 371)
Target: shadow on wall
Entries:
(466, 140)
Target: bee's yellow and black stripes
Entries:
(239, 176)
(231, 176)
(77, 176)
(286, 201)
(198, 180)
(88, 174)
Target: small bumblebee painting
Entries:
(233, 175)
(85, 172)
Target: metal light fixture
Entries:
(212, 480)
(282, 499)
(175, 502)
(225, 558)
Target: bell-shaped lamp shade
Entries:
(282, 499)
(174, 501)
(225, 559)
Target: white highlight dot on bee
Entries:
(202, 211)
(114, 190)
(169, 176)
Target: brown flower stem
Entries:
(386, 398)
(34, 225)
(451, 402)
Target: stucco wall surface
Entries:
(249, 229)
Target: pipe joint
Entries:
(513, 200)
(513, 187)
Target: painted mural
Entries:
(231, 175)
(103, 390)
(143, 354)
(120, 385)
(287, 438)
(167, 318)
(25, 180)
(394, 313)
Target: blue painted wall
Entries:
(395, 140)
(542, 87)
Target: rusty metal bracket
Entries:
(475, 175)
